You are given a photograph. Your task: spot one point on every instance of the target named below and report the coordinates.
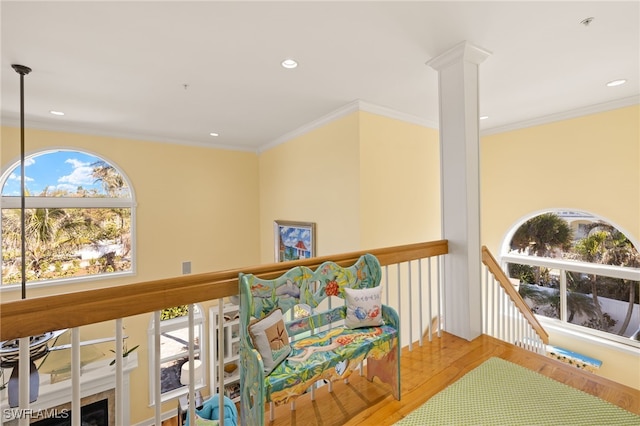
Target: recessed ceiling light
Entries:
(214, 134)
(56, 112)
(614, 83)
(484, 117)
(289, 63)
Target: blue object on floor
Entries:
(211, 411)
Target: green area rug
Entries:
(499, 392)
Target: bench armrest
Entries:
(390, 317)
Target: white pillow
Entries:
(270, 338)
(364, 307)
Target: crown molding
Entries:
(354, 106)
(397, 115)
(357, 105)
(84, 130)
(315, 124)
(565, 115)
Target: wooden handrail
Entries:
(501, 277)
(31, 317)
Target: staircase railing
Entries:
(505, 315)
(411, 277)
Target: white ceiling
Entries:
(120, 68)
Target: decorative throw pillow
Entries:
(364, 307)
(270, 338)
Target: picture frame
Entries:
(294, 240)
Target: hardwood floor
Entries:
(427, 370)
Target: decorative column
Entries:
(460, 186)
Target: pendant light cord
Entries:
(22, 70)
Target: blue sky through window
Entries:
(65, 170)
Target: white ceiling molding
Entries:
(94, 131)
(351, 107)
(357, 105)
(397, 115)
(565, 115)
(315, 124)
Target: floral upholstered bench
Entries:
(291, 336)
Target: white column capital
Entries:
(463, 51)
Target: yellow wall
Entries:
(399, 182)
(194, 204)
(313, 178)
(372, 182)
(590, 163)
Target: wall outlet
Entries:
(186, 268)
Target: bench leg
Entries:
(387, 370)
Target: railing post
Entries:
(440, 295)
(429, 300)
(220, 358)
(157, 391)
(399, 295)
(24, 366)
(75, 377)
(420, 307)
(192, 365)
(119, 420)
(410, 307)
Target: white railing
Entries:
(503, 320)
(411, 278)
(418, 286)
(505, 315)
(58, 398)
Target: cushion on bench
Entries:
(329, 355)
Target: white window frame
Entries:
(561, 325)
(34, 202)
(174, 324)
(565, 266)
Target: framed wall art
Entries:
(294, 240)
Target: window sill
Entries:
(32, 285)
(631, 348)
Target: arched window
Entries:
(79, 214)
(577, 270)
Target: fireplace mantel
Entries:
(96, 377)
